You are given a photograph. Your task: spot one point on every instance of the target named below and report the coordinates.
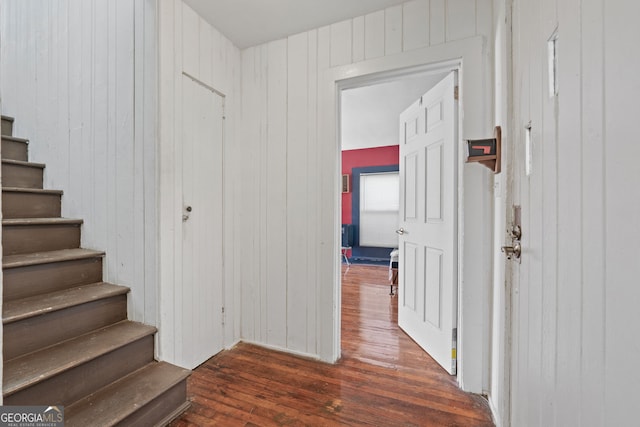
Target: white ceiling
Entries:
(370, 115)
(252, 22)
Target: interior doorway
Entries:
(368, 129)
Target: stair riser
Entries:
(14, 150)
(33, 280)
(22, 239)
(161, 410)
(34, 333)
(82, 380)
(30, 205)
(21, 176)
(7, 127)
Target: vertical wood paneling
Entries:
(78, 77)
(549, 171)
(573, 347)
(622, 227)
(190, 42)
(437, 24)
(393, 30)
(484, 18)
(297, 227)
(312, 202)
(341, 43)
(262, 185)
(205, 54)
(461, 19)
(374, 35)
(276, 194)
(358, 39)
(415, 24)
(166, 169)
(593, 196)
(569, 210)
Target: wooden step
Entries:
(20, 174)
(153, 395)
(31, 203)
(72, 370)
(7, 125)
(14, 148)
(32, 274)
(21, 236)
(33, 323)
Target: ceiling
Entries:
(370, 114)
(252, 22)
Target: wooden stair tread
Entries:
(14, 138)
(42, 221)
(13, 311)
(118, 400)
(22, 163)
(31, 190)
(24, 371)
(36, 258)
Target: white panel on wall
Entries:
(341, 43)
(276, 193)
(190, 41)
(374, 35)
(437, 21)
(393, 30)
(205, 52)
(358, 38)
(415, 24)
(312, 193)
(461, 19)
(298, 299)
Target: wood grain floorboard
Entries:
(382, 379)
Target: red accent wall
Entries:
(379, 156)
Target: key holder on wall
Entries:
(487, 152)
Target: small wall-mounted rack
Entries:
(487, 152)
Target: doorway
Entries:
(370, 112)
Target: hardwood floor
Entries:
(383, 378)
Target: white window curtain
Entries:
(379, 209)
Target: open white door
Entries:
(427, 292)
(199, 334)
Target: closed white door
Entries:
(201, 332)
(428, 222)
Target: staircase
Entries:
(67, 340)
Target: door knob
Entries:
(400, 231)
(189, 208)
(513, 251)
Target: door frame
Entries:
(472, 60)
(427, 69)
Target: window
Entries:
(379, 209)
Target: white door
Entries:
(427, 294)
(201, 289)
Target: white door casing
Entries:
(201, 335)
(428, 283)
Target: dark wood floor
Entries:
(383, 378)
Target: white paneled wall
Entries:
(289, 161)
(575, 312)
(80, 79)
(188, 44)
